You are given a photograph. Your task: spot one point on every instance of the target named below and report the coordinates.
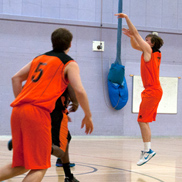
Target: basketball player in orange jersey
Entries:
(47, 77)
(152, 94)
(61, 137)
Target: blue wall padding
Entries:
(116, 73)
(118, 94)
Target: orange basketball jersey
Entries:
(46, 81)
(150, 70)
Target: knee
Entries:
(56, 151)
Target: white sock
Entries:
(147, 146)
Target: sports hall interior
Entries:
(111, 152)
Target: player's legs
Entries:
(147, 153)
(65, 158)
(59, 162)
(145, 131)
(7, 172)
(66, 167)
(35, 175)
(56, 151)
(60, 144)
(59, 133)
(147, 114)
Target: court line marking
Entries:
(151, 163)
(126, 170)
(94, 169)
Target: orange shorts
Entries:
(31, 136)
(63, 136)
(59, 129)
(149, 104)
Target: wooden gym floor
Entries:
(114, 159)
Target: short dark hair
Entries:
(61, 39)
(158, 42)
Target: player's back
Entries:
(45, 82)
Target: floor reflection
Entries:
(140, 180)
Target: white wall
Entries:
(25, 33)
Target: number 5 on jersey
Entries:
(38, 72)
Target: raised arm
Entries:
(73, 74)
(18, 78)
(145, 47)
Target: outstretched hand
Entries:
(87, 122)
(127, 32)
(121, 15)
(73, 107)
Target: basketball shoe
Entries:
(60, 164)
(145, 157)
(70, 180)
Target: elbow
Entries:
(13, 79)
(80, 92)
(16, 79)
